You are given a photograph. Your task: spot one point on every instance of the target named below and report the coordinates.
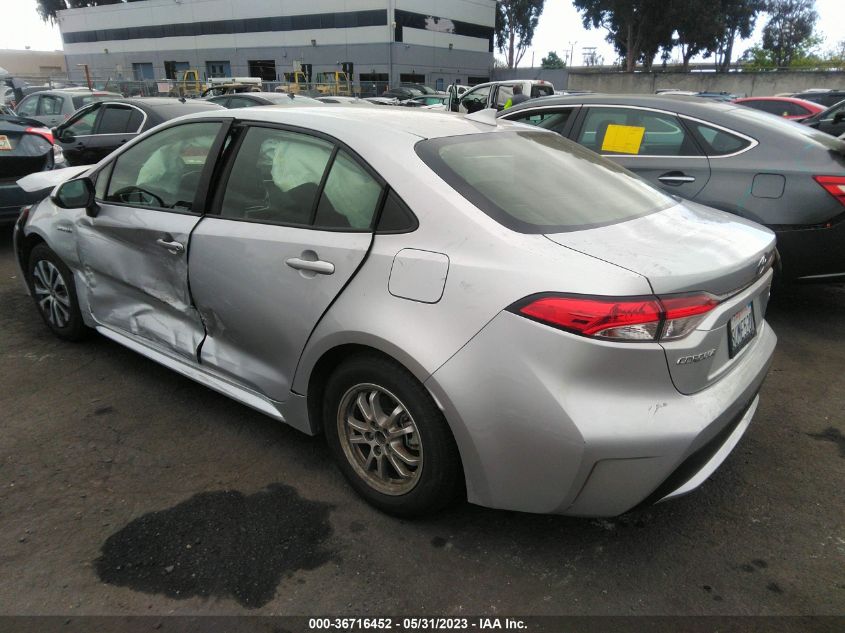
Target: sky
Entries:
(560, 30)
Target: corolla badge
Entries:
(686, 360)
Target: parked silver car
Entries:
(459, 306)
(54, 107)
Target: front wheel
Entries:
(389, 438)
(51, 283)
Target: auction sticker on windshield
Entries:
(5, 145)
(741, 329)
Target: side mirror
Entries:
(77, 194)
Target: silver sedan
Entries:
(463, 307)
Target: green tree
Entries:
(788, 34)
(47, 8)
(737, 19)
(699, 28)
(552, 61)
(637, 29)
(516, 21)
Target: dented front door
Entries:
(134, 247)
(136, 271)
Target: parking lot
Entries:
(128, 489)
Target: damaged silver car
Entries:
(463, 307)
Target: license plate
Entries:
(741, 330)
(5, 145)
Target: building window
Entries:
(218, 69)
(171, 69)
(142, 71)
(411, 78)
(474, 81)
(264, 68)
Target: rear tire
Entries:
(52, 287)
(389, 439)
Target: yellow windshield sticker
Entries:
(624, 139)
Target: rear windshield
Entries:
(539, 182)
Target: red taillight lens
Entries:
(620, 318)
(834, 185)
(41, 131)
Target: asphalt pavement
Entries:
(128, 489)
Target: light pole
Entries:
(572, 51)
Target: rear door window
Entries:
(630, 131)
(350, 196)
(116, 120)
(569, 188)
(50, 105)
(276, 177)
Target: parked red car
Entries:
(787, 107)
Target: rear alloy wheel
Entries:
(389, 438)
(51, 282)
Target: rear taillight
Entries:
(42, 132)
(834, 185)
(620, 318)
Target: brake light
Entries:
(620, 318)
(834, 185)
(41, 131)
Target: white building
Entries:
(431, 41)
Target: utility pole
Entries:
(87, 76)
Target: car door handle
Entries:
(171, 245)
(675, 178)
(318, 266)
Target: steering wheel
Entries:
(147, 198)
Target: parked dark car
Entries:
(784, 175)
(831, 120)
(95, 131)
(826, 98)
(426, 90)
(402, 93)
(250, 99)
(26, 147)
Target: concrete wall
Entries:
(745, 83)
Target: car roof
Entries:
(77, 92)
(689, 105)
(356, 125)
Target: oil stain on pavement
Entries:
(221, 544)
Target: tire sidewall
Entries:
(75, 329)
(440, 477)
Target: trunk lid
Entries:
(690, 248)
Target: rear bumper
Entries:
(813, 254)
(555, 423)
(12, 198)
